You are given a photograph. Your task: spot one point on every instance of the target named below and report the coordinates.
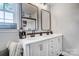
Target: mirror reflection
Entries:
(29, 16)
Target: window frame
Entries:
(13, 25)
(4, 10)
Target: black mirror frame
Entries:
(37, 20)
(49, 20)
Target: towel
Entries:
(14, 49)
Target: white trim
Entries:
(66, 54)
(8, 30)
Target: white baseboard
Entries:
(66, 54)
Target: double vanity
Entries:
(43, 45)
(47, 45)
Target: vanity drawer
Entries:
(51, 52)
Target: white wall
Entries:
(65, 19)
(7, 36)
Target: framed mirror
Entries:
(29, 16)
(45, 20)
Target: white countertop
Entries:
(38, 38)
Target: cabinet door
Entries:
(39, 49)
(34, 49)
(44, 48)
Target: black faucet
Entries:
(33, 33)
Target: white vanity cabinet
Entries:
(44, 46)
(34, 49)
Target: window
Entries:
(1, 5)
(7, 12)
